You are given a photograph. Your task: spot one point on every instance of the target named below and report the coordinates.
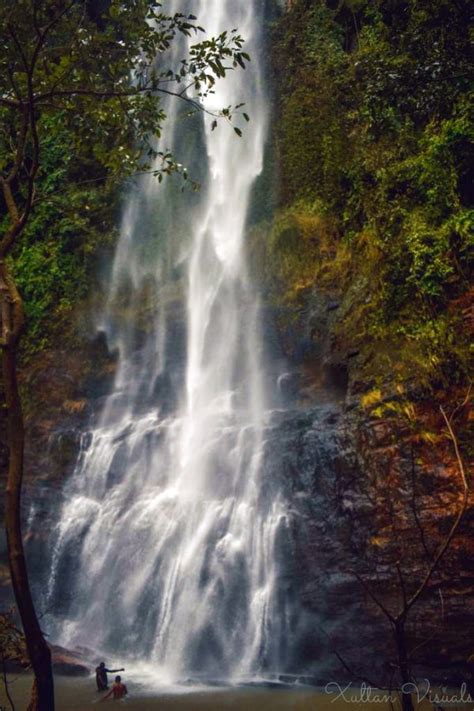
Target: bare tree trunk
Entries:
(38, 650)
(404, 664)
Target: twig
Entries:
(6, 684)
(402, 583)
(106, 94)
(432, 636)
(378, 602)
(463, 404)
(346, 666)
(442, 550)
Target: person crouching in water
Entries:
(118, 690)
(101, 676)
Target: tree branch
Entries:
(431, 637)
(11, 103)
(11, 76)
(20, 150)
(378, 602)
(402, 583)
(9, 200)
(346, 666)
(465, 498)
(106, 94)
(19, 47)
(414, 507)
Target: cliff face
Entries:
(370, 500)
(373, 486)
(372, 494)
(376, 322)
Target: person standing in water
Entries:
(118, 690)
(101, 676)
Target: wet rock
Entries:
(64, 667)
(289, 384)
(68, 663)
(347, 481)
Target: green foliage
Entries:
(80, 57)
(72, 226)
(298, 244)
(374, 129)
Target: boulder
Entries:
(69, 663)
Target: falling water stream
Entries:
(166, 540)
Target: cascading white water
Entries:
(167, 537)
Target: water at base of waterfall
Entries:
(165, 547)
(78, 694)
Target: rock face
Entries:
(371, 504)
(351, 527)
(63, 389)
(66, 387)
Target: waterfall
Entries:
(164, 549)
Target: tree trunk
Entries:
(38, 650)
(33, 705)
(404, 664)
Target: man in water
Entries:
(101, 676)
(118, 690)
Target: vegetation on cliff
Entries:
(373, 139)
(56, 259)
(374, 144)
